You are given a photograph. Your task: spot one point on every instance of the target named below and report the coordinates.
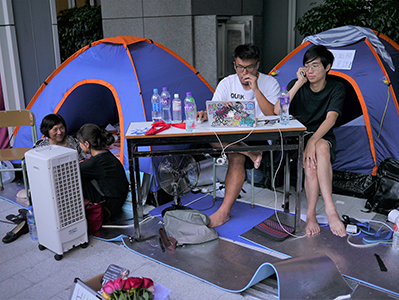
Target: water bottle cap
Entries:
(176, 95)
(284, 87)
(188, 94)
(164, 88)
(30, 207)
(155, 91)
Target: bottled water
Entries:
(176, 108)
(284, 107)
(190, 110)
(31, 223)
(395, 240)
(165, 102)
(156, 106)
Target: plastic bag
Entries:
(7, 177)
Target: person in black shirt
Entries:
(103, 176)
(316, 101)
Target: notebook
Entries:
(231, 113)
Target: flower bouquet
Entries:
(132, 288)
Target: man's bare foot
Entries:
(256, 157)
(312, 226)
(336, 225)
(218, 219)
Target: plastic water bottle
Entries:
(165, 102)
(176, 108)
(190, 110)
(31, 223)
(156, 106)
(395, 240)
(284, 107)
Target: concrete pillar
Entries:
(9, 59)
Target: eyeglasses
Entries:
(313, 67)
(249, 68)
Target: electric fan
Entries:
(177, 175)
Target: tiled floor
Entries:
(27, 273)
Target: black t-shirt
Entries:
(311, 108)
(110, 175)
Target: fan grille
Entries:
(178, 174)
(68, 193)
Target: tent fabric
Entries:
(367, 131)
(346, 35)
(111, 81)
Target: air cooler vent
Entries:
(68, 196)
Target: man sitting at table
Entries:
(316, 101)
(246, 84)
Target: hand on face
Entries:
(247, 71)
(301, 75)
(250, 80)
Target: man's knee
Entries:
(236, 159)
(323, 149)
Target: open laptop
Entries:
(231, 113)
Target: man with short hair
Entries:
(316, 101)
(246, 84)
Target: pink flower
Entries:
(147, 282)
(118, 284)
(133, 282)
(109, 287)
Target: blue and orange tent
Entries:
(367, 131)
(111, 81)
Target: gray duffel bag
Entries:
(188, 227)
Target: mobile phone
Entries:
(303, 74)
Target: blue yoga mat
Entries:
(242, 216)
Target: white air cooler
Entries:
(57, 198)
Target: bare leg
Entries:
(255, 156)
(324, 175)
(312, 195)
(234, 181)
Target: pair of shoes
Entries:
(364, 227)
(382, 236)
(18, 218)
(20, 229)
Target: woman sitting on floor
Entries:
(103, 176)
(53, 127)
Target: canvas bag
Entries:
(188, 227)
(386, 196)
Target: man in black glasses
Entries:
(316, 100)
(246, 84)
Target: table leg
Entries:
(139, 190)
(287, 175)
(299, 184)
(132, 167)
(214, 180)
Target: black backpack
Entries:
(386, 196)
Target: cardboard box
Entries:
(87, 289)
